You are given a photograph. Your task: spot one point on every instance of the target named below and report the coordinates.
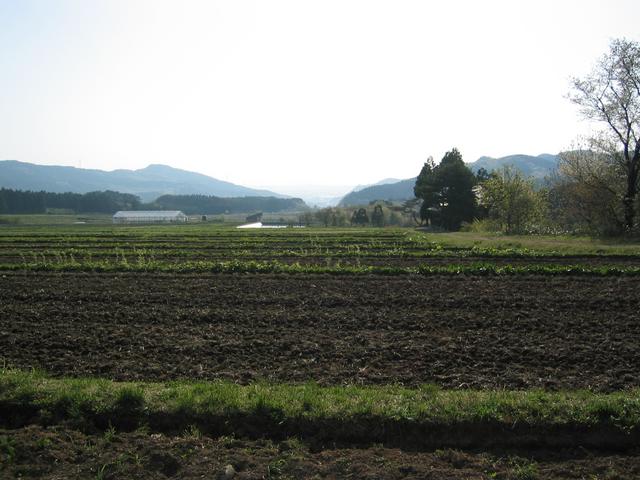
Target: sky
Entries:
(291, 93)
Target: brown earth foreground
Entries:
(60, 452)
(515, 332)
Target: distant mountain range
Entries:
(537, 167)
(148, 183)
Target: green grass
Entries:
(375, 413)
(567, 244)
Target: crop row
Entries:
(314, 240)
(173, 250)
(284, 249)
(145, 264)
(264, 236)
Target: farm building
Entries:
(150, 216)
(256, 217)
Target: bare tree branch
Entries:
(611, 94)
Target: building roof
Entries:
(148, 213)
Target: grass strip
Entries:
(239, 266)
(422, 417)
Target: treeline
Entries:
(585, 194)
(206, 204)
(376, 214)
(23, 202)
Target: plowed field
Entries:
(557, 331)
(515, 332)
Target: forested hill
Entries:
(147, 183)
(202, 204)
(401, 190)
(27, 202)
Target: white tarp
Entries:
(260, 225)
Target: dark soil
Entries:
(513, 332)
(60, 452)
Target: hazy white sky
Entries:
(294, 92)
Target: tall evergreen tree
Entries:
(446, 191)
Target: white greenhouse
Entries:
(150, 216)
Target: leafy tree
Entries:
(585, 193)
(377, 217)
(360, 217)
(339, 217)
(395, 218)
(611, 95)
(336, 217)
(482, 175)
(411, 208)
(510, 199)
(305, 218)
(324, 216)
(446, 190)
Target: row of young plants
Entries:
(110, 241)
(364, 240)
(148, 264)
(151, 256)
(209, 241)
(148, 233)
(230, 246)
(195, 229)
(389, 414)
(288, 249)
(215, 246)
